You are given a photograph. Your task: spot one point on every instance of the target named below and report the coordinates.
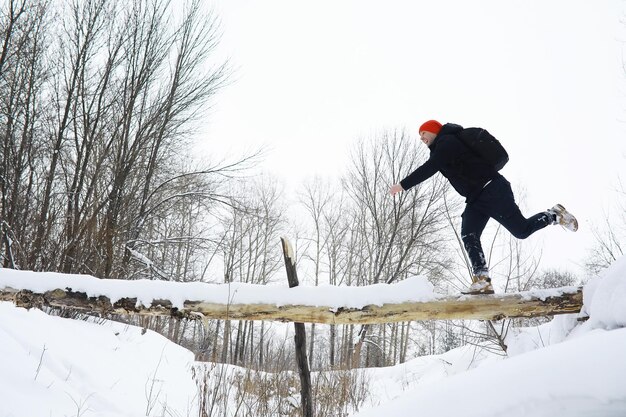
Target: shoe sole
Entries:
(483, 292)
(572, 219)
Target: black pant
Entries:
(496, 201)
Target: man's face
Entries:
(427, 137)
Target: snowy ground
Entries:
(51, 366)
(61, 367)
(560, 368)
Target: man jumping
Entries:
(488, 195)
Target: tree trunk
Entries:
(486, 307)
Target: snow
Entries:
(589, 370)
(414, 289)
(52, 366)
(559, 368)
(425, 370)
(543, 294)
(146, 291)
(605, 299)
(56, 367)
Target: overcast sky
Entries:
(545, 77)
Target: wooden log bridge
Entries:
(483, 307)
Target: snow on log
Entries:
(407, 300)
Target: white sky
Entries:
(545, 77)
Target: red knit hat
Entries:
(432, 126)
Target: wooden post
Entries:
(300, 337)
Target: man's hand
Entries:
(395, 189)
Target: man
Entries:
(488, 195)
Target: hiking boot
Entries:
(564, 218)
(480, 285)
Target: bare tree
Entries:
(83, 26)
(252, 226)
(399, 237)
(610, 238)
(315, 198)
(22, 77)
(97, 114)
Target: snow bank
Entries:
(583, 377)
(412, 289)
(605, 298)
(604, 303)
(387, 383)
(560, 368)
(58, 367)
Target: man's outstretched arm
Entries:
(427, 170)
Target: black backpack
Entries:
(483, 144)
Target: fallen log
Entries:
(483, 307)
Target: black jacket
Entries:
(466, 171)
